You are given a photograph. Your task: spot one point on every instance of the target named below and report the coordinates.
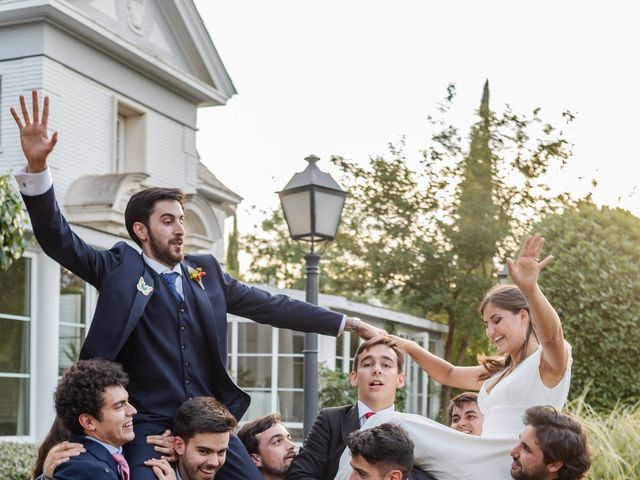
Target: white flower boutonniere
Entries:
(196, 275)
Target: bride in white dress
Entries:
(534, 368)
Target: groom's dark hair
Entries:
(141, 204)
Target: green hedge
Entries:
(595, 286)
(16, 460)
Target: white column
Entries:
(46, 321)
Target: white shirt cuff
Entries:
(32, 184)
(342, 325)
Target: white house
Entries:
(126, 78)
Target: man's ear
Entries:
(353, 377)
(87, 422)
(555, 466)
(401, 380)
(394, 475)
(257, 459)
(140, 229)
(179, 445)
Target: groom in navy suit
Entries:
(161, 314)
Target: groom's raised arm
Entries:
(49, 226)
(34, 138)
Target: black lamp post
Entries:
(312, 203)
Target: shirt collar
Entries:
(363, 409)
(159, 268)
(112, 450)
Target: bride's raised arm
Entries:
(439, 369)
(524, 273)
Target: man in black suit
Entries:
(92, 402)
(377, 373)
(161, 314)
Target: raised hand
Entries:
(36, 144)
(524, 272)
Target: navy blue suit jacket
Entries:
(117, 272)
(94, 464)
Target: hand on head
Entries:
(34, 138)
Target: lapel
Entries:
(350, 422)
(140, 301)
(200, 294)
(100, 453)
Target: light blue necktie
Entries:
(170, 279)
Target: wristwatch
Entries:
(355, 322)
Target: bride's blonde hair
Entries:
(507, 297)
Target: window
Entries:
(73, 323)
(15, 328)
(267, 363)
(346, 346)
(130, 139)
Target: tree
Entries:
(428, 238)
(12, 224)
(233, 264)
(595, 285)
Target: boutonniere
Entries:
(196, 275)
(143, 287)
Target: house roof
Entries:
(165, 39)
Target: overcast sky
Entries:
(347, 76)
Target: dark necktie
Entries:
(123, 466)
(368, 415)
(170, 279)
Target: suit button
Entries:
(187, 364)
(182, 328)
(182, 310)
(187, 382)
(183, 347)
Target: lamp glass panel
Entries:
(297, 211)
(328, 211)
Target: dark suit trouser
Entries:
(238, 465)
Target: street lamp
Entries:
(312, 203)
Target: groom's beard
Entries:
(170, 253)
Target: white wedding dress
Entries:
(451, 455)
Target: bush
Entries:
(16, 460)
(614, 439)
(595, 286)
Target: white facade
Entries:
(125, 79)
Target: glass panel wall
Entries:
(15, 335)
(73, 300)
